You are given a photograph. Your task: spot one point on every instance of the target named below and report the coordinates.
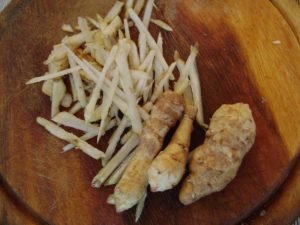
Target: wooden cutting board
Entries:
(238, 62)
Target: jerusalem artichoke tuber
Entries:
(214, 164)
(168, 167)
(131, 188)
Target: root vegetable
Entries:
(131, 188)
(168, 167)
(214, 164)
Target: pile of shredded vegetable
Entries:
(114, 80)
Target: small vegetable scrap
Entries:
(118, 82)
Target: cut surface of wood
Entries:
(238, 63)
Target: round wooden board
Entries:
(281, 209)
(238, 62)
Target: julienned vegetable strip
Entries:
(53, 75)
(117, 82)
(106, 171)
(113, 141)
(69, 137)
(107, 102)
(96, 92)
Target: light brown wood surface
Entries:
(12, 212)
(250, 68)
(290, 10)
(284, 206)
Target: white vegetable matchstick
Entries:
(143, 48)
(94, 22)
(139, 75)
(162, 25)
(197, 95)
(114, 140)
(142, 29)
(73, 88)
(148, 92)
(145, 116)
(85, 137)
(69, 120)
(57, 54)
(158, 69)
(134, 58)
(159, 89)
(58, 91)
(67, 28)
(140, 86)
(107, 82)
(67, 100)
(73, 41)
(110, 199)
(84, 27)
(129, 4)
(148, 13)
(78, 83)
(126, 83)
(112, 123)
(139, 6)
(75, 108)
(52, 76)
(80, 63)
(183, 80)
(107, 102)
(106, 171)
(140, 207)
(113, 27)
(126, 28)
(123, 106)
(121, 34)
(117, 174)
(69, 137)
(117, 99)
(114, 11)
(47, 87)
(126, 137)
(147, 61)
(90, 107)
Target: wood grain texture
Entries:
(284, 207)
(290, 10)
(12, 212)
(58, 186)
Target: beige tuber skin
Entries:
(168, 167)
(214, 164)
(166, 112)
